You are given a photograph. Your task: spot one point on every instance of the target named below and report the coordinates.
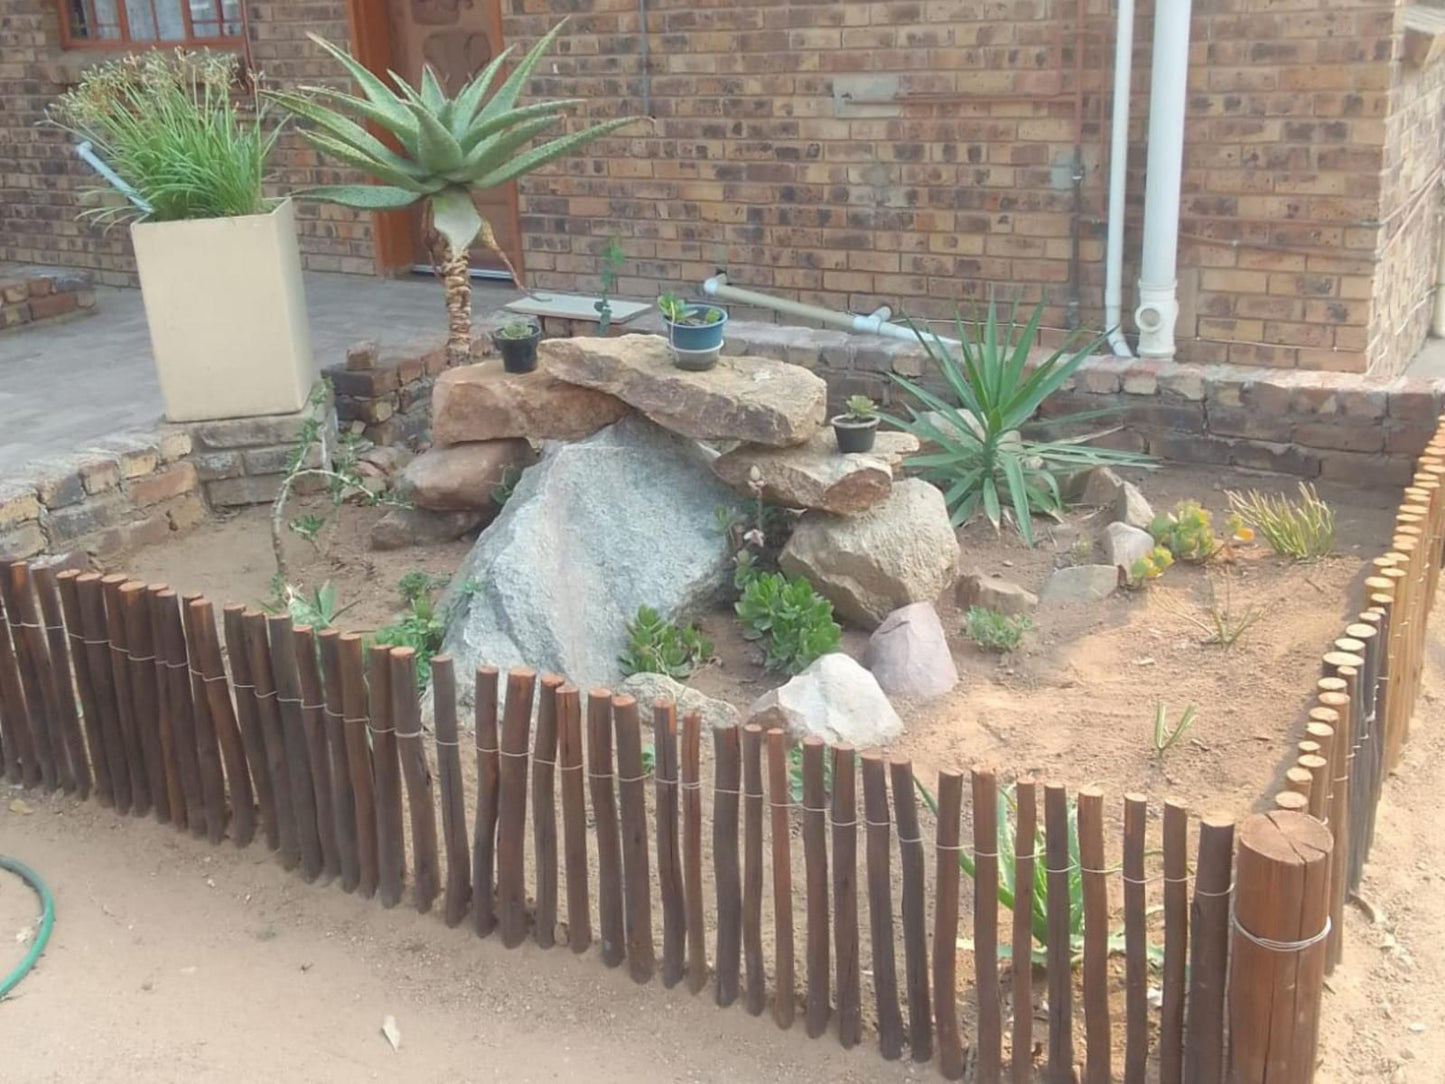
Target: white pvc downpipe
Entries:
(1158, 308)
(1118, 180)
(876, 323)
(1437, 315)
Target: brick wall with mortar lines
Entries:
(40, 176)
(753, 164)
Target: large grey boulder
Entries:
(834, 699)
(646, 688)
(899, 551)
(909, 654)
(594, 530)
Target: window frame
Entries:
(68, 39)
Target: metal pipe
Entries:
(876, 323)
(1158, 308)
(1437, 316)
(93, 160)
(1076, 175)
(1118, 183)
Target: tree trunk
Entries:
(458, 283)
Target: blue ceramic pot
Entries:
(696, 347)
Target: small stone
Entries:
(716, 714)
(977, 588)
(1100, 488)
(387, 458)
(463, 476)
(403, 527)
(909, 654)
(834, 699)
(18, 503)
(361, 354)
(1130, 507)
(1080, 583)
(1123, 544)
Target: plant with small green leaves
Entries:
(794, 622)
(860, 408)
(795, 773)
(995, 631)
(657, 646)
(439, 149)
(981, 459)
(612, 257)
(1186, 532)
(422, 624)
(1149, 567)
(1303, 529)
(677, 311)
(317, 609)
(519, 329)
(1165, 735)
(502, 491)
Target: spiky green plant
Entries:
(981, 460)
(450, 148)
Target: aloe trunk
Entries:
(457, 280)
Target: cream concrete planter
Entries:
(227, 313)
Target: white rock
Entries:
(834, 699)
(1130, 507)
(1124, 545)
(716, 714)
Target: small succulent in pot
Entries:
(517, 340)
(856, 428)
(694, 331)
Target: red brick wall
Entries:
(959, 179)
(40, 175)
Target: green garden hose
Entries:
(47, 920)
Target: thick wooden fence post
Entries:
(343, 800)
(420, 800)
(20, 763)
(318, 748)
(985, 924)
(1021, 1062)
(574, 817)
(390, 839)
(669, 854)
(1209, 948)
(171, 649)
(610, 922)
(1136, 945)
(914, 911)
(1277, 951)
(47, 589)
(454, 806)
(89, 706)
(512, 806)
(544, 811)
(484, 833)
(293, 735)
(692, 850)
(1176, 941)
(358, 762)
(98, 660)
(1057, 866)
(880, 906)
(781, 800)
(140, 793)
(207, 660)
(34, 664)
(755, 982)
(636, 877)
(249, 717)
(945, 924)
(815, 857)
(844, 816)
(145, 703)
(727, 785)
(1097, 1038)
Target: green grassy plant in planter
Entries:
(517, 340)
(447, 149)
(694, 331)
(857, 427)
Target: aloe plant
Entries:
(448, 148)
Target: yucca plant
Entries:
(450, 147)
(981, 460)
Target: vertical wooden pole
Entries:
(172, 651)
(125, 706)
(544, 811)
(574, 818)
(985, 924)
(880, 906)
(1058, 867)
(945, 924)
(669, 854)
(34, 666)
(1209, 951)
(1277, 948)
(207, 659)
(145, 701)
(780, 800)
(512, 806)
(420, 801)
(47, 589)
(845, 894)
(604, 813)
(20, 763)
(248, 716)
(343, 799)
(755, 986)
(293, 735)
(727, 781)
(89, 704)
(358, 762)
(1136, 944)
(208, 748)
(1025, 844)
(1176, 940)
(268, 722)
(1097, 1040)
(692, 850)
(98, 659)
(484, 835)
(815, 858)
(914, 912)
(318, 747)
(637, 879)
(454, 803)
(386, 768)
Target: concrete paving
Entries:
(68, 385)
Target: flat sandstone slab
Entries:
(816, 475)
(484, 402)
(751, 399)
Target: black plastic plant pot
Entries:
(520, 355)
(855, 434)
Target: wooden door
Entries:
(457, 38)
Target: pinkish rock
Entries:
(909, 653)
(461, 477)
(483, 402)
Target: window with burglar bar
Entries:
(151, 22)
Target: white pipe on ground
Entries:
(1437, 316)
(875, 324)
(1118, 177)
(1158, 299)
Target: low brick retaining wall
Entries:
(29, 295)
